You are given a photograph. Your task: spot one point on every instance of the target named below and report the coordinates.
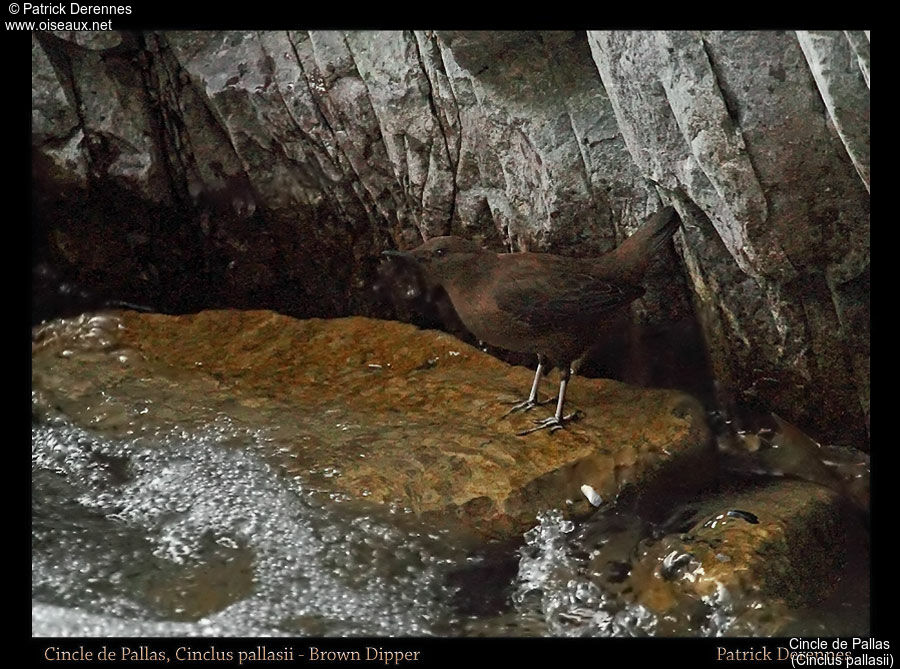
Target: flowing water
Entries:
(192, 533)
(181, 535)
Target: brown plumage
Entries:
(541, 303)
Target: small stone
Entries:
(591, 495)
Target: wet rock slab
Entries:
(774, 558)
(757, 557)
(362, 409)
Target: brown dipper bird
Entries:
(541, 303)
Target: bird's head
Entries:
(441, 258)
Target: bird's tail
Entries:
(636, 252)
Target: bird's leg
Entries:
(532, 401)
(555, 422)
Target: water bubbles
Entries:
(89, 333)
(673, 564)
(227, 542)
(130, 534)
(191, 532)
(556, 583)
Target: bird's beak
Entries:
(391, 253)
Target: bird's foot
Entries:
(552, 423)
(527, 405)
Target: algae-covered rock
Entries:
(362, 409)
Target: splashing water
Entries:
(178, 535)
(553, 583)
(193, 533)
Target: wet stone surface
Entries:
(781, 559)
(247, 474)
(369, 410)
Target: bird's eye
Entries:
(439, 252)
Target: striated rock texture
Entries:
(369, 410)
(188, 170)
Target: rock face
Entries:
(369, 410)
(189, 170)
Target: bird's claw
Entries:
(552, 423)
(526, 405)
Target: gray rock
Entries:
(844, 86)
(764, 246)
(296, 157)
